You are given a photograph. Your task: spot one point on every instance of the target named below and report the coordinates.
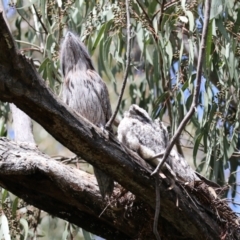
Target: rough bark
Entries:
(22, 85)
(66, 192)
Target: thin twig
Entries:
(109, 123)
(157, 187)
(28, 22)
(196, 91)
(31, 49)
(189, 196)
(39, 19)
(157, 209)
(165, 7)
(145, 13)
(170, 4)
(27, 43)
(148, 20)
(166, 86)
(110, 202)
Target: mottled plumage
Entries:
(85, 92)
(140, 133)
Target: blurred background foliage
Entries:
(165, 38)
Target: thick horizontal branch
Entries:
(59, 189)
(22, 85)
(71, 194)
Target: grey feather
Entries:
(140, 133)
(85, 92)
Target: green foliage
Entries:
(10, 225)
(22, 221)
(3, 119)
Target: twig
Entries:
(110, 202)
(28, 22)
(31, 49)
(166, 86)
(188, 195)
(109, 123)
(165, 7)
(145, 13)
(157, 187)
(169, 106)
(39, 19)
(148, 20)
(196, 91)
(27, 43)
(113, 200)
(157, 209)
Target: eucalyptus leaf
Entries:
(87, 235)
(25, 226)
(4, 228)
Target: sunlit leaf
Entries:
(216, 8)
(183, 19)
(87, 235)
(4, 195)
(24, 224)
(191, 20)
(4, 228)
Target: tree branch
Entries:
(61, 190)
(21, 84)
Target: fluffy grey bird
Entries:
(85, 92)
(138, 132)
(141, 134)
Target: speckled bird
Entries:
(85, 92)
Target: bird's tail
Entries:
(105, 183)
